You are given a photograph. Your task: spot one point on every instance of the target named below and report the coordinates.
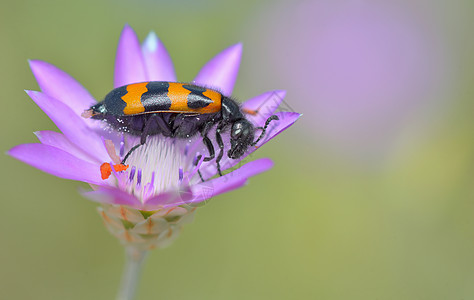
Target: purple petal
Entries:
(61, 86)
(129, 62)
(286, 119)
(264, 105)
(57, 162)
(167, 199)
(275, 128)
(71, 125)
(60, 141)
(231, 181)
(158, 64)
(203, 191)
(221, 71)
(113, 195)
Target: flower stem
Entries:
(133, 264)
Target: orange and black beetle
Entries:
(177, 110)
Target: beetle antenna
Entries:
(130, 152)
(264, 129)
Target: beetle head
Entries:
(241, 137)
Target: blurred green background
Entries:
(380, 222)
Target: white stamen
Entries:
(110, 147)
(161, 157)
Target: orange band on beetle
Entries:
(133, 98)
(216, 104)
(178, 96)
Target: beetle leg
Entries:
(200, 175)
(196, 162)
(207, 142)
(143, 137)
(165, 128)
(206, 128)
(171, 121)
(221, 152)
(265, 128)
(210, 148)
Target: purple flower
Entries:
(163, 173)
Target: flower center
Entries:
(156, 166)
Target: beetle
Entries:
(178, 110)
